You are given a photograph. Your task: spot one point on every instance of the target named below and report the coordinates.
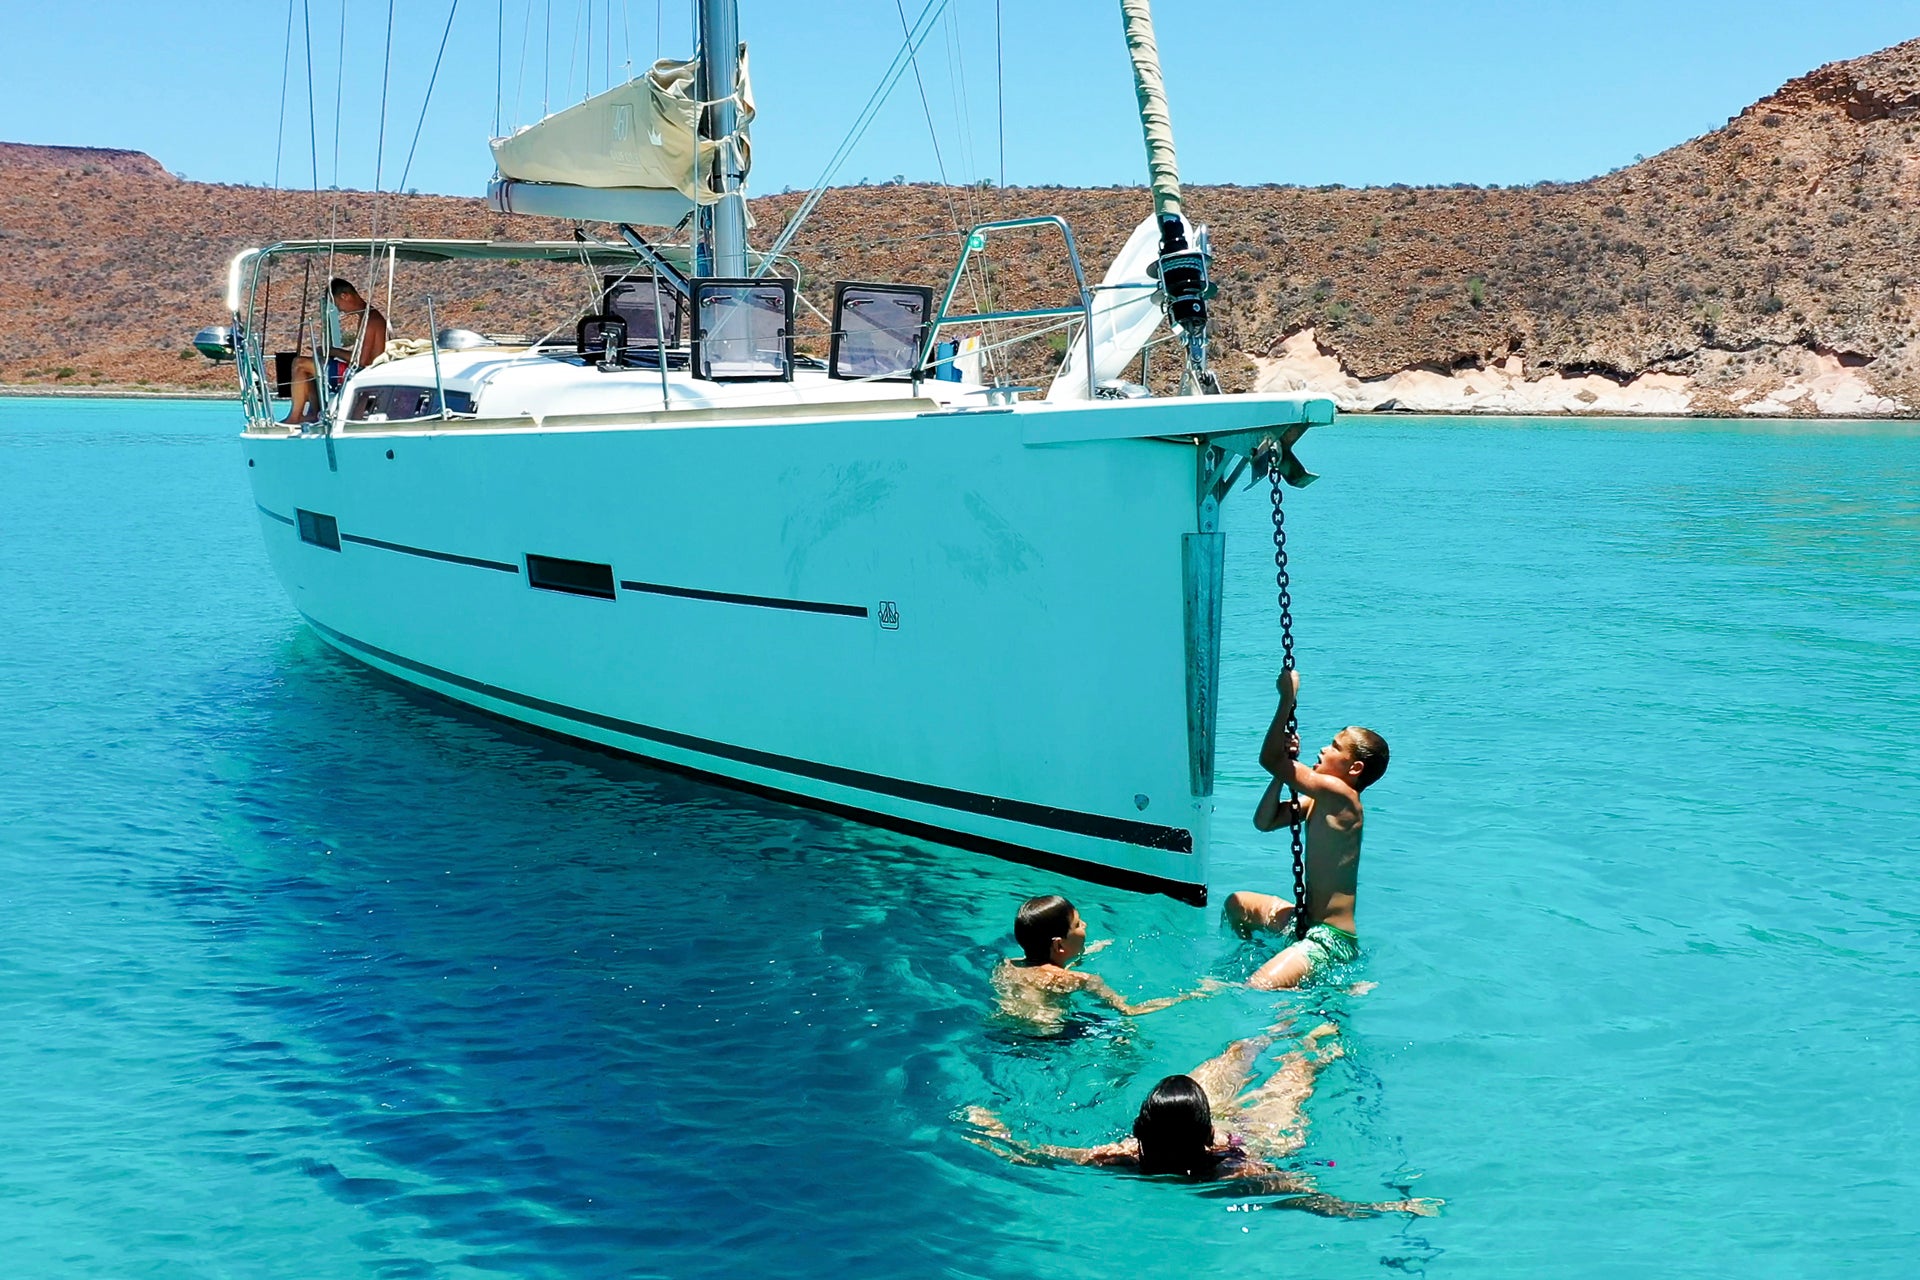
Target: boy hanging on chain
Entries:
(1328, 803)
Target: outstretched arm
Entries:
(993, 1135)
(1097, 988)
(1300, 1194)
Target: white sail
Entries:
(1126, 311)
(643, 135)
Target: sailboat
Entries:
(982, 614)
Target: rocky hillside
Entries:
(1768, 266)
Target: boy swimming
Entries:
(1038, 986)
(1329, 804)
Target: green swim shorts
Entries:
(1327, 947)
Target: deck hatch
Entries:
(321, 531)
(574, 577)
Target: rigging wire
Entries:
(313, 119)
(974, 284)
(888, 79)
(963, 109)
(499, 57)
(1000, 93)
(520, 79)
(380, 144)
(279, 147)
(286, 70)
(313, 157)
(573, 48)
(339, 91)
(932, 133)
(428, 100)
(546, 67)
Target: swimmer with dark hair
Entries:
(1038, 987)
(1176, 1132)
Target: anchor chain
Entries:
(1284, 585)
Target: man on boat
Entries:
(367, 345)
(1329, 803)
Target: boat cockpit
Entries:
(651, 335)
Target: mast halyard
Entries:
(723, 224)
(1182, 267)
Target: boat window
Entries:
(879, 330)
(575, 577)
(321, 531)
(400, 404)
(743, 330)
(632, 299)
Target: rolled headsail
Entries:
(1182, 266)
(1163, 168)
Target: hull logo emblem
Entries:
(889, 616)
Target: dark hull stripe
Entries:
(1098, 826)
(273, 515)
(1052, 863)
(425, 554)
(764, 602)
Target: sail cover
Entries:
(1126, 311)
(643, 134)
(1137, 18)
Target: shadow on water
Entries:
(559, 1011)
(557, 1002)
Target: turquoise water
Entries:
(303, 974)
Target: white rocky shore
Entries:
(1788, 382)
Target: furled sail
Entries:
(1126, 311)
(1137, 19)
(1183, 266)
(636, 145)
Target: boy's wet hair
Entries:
(1038, 922)
(1175, 1129)
(1370, 749)
(339, 285)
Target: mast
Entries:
(1183, 269)
(723, 223)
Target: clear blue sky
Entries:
(1261, 90)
